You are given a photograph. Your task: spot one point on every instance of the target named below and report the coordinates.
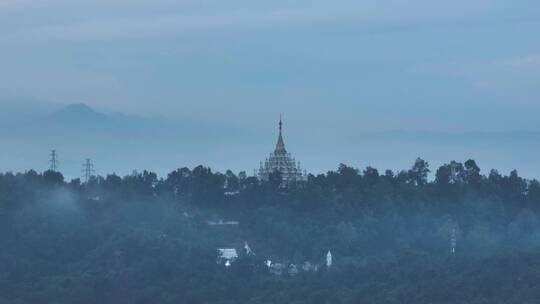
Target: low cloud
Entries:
(509, 80)
(530, 61)
(127, 20)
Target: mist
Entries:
(121, 143)
(244, 152)
(138, 237)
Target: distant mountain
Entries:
(81, 120)
(77, 113)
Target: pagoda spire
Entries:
(280, 146)
(282, 161)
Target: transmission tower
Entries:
(453, 241)
(53, 161)
(88, 170)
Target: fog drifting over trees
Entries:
(140, 238)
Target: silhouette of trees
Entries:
(141, 238)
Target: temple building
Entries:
(280, 160)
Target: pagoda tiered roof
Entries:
(282, 161)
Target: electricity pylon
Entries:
(53, 161)
(88, 170)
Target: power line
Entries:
(88, 170)
(53, 161)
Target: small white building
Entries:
(226, 256)
(276, 268)
(329, 259)
(293, 270)
(309, 267)
(222, 223)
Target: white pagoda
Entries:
(329, 259)
(280, 160)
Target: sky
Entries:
(335, 69)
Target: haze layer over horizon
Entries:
(337, 71)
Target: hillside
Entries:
(140, 239)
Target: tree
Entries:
(179, 181)
(232, 183)
(533, 196)
(275, 180)
(457, 172)
(242, 176)
(206, 187)
(443, 176)
(419, 172)
(53, 177)
(346, 177)
(472, 173)
(371, 176)
(112, 182)
(495, 178)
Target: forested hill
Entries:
(144, 239)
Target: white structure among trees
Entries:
(328, 259)
(227, 256)
(281, 161)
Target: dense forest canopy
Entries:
(145, 239)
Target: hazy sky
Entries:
(335, 69)
(369, 65)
